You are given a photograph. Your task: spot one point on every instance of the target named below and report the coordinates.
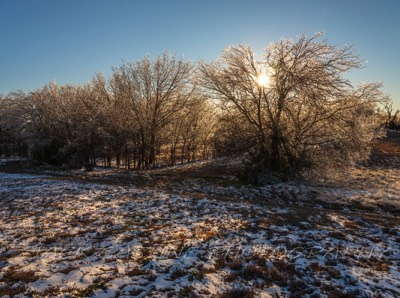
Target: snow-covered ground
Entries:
(70, 238)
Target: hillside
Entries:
(195, 230)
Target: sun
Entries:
(263, 80)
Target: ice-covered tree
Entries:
(304, 114)
(157, 90)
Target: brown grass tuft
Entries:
(12, 275)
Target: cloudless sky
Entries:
(68, 41)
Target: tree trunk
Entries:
(118, 159)
(275, 152)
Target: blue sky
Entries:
(68, 41)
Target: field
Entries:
(196, 231)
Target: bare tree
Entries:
(13, 124)
(192, 130)
(304, 114)
(156, 90)
(112, 117)
(63, 129)
(391, 116)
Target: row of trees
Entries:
(290, 112)
(145, 110)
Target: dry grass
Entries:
(13, 275)
(177, 273)
(136, 272)
(89, 291)
(136, 292)
(316, 267)
(237, 293)
(380, 266)
(12, 291)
